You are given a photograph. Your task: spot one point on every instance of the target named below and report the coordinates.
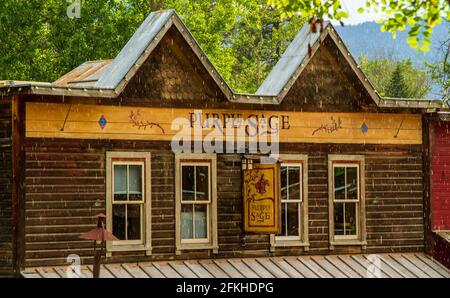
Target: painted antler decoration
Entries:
(135, 119)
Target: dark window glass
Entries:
(294, 183)
(284, 183)
(202, 183)
(119, 222)
(188, 183)
(339, 228)
(292, 219)
(339, 183)
(352, 183)
(134, 221)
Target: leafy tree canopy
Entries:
(419, 16)
(40, 42)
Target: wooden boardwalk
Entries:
(333, 266)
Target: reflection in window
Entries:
(291, 199)
(128, 200)
(195, 201)
(346, 199)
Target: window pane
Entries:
(339, 218)
(187, 183)
(292, 219)
(352, 183)
(294, 183)
(187, 229)
(283, 219)
(202, 180)
(119, 221)
(200, 221)
(284, 185)
(120, 182)
(350, 218)
(135, 180)
(339, 183)
(134, 221)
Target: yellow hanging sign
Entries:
(261, 199)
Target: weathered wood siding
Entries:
(6, 267)
(66, 189)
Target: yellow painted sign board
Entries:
(262, 199)
(80, 121)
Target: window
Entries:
(346, 199)
(128, 200)
(196, 201)
(294, 206)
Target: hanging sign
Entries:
(261, 199)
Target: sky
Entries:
(351, 6)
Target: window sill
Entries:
(348, 243)
(128, 247)
(287, 243)
(198, 246)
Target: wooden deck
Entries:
(331, 266)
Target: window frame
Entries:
(346, 161)
(129, 158)
(303, 239)
(211, 242)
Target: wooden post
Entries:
(18, 183)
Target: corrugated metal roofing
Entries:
(344, 266)
(289, 62)
(134, 48)
(87, 74)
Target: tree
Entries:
(440, 71)
(396, 78)
(397, 86)
(243, 38)
(420, 16)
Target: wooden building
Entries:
(98, 140)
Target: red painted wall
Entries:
(440, 177)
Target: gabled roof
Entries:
(297, 56)
(87, 74)
(143, 42)
(289, 62)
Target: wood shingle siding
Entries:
(66, 189)
(6, 258)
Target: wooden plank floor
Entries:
(411, 265)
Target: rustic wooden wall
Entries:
(66, 188)
(6, 266)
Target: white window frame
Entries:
(347, 161)
(129, 158)
(211, 242)
(302, 240)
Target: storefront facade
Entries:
(100, 140)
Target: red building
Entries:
(438, 244)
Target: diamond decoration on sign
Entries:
(102, 122)
(364, 128)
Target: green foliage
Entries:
(243, 38)
(396, 15)
(440, 71)
(396, 78)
